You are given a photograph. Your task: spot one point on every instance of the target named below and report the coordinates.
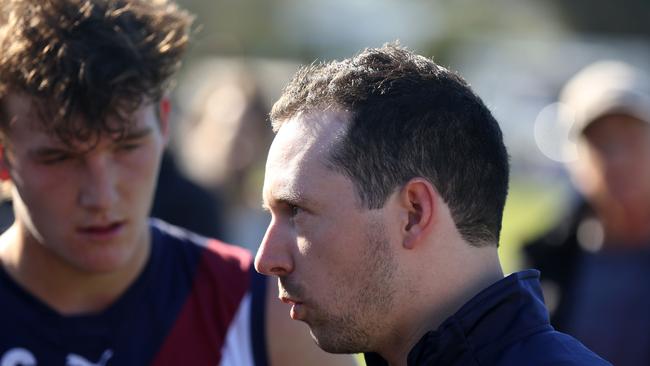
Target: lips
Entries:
(296, 312)
(287, 287)
(102, 231)
(284, 295)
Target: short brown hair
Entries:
(409, 117)
(89, 58)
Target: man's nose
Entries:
(274, 254)
(98, 189)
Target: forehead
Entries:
(297, 158)
(616, 127)
(24, 121)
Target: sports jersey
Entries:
(197, 302)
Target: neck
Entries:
(474, 270)
(66, 289)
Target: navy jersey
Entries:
(197, 302)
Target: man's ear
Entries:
(164, 109)
(419, 199)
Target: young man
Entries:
(85, 278)
(386, 182)
(594, 257)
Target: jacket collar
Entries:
(507, 310)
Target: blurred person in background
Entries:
(595, 263)
(221, 140)
(85, 277)
(180, 201)
(386, 183)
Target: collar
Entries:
(509, 309)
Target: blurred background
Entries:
(516, 54)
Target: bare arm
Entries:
(289, 341)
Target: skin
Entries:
(64, 247)
(289, 342)
(309, 210)
(354, 275)
(80, 236)
(613, 172)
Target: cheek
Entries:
(141, 166)
(639, 161)
(330, 250)
(41, 177)
(41, 187)
(317, 237)
(44, 203)
(587, 173)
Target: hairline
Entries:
(345, 116)
(7, 120)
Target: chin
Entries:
(340, 340)
(102, 267)
(106, 261)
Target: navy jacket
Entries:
(504, 325)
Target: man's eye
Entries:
(55, 158)
(294, 210)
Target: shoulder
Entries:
(213, 269)
(550, 348)
(216, 316)
(182, 242)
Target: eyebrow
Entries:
(288, 198)
(132, 135)
(135, 134)
(45, 152)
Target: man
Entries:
(86, 279)
(386, 182)
(595, 257)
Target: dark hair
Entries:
(89, 58)
(409, 118)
